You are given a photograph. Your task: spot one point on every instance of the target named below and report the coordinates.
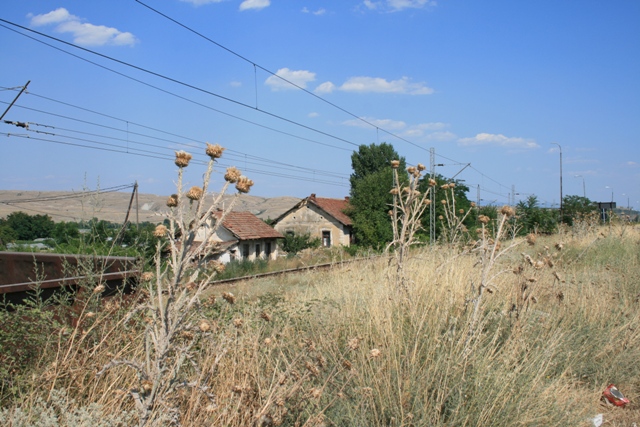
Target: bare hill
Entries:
(75, 206)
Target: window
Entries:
(326, 239)
(245, 251)
(258, 252)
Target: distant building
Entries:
(242, 235)
(322, 218)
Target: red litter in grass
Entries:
(613, 395)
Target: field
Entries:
(347, 347)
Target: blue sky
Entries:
(497, 84)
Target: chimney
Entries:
(313, 196)
(346, 198)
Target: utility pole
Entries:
(560, 147)
(15, 99)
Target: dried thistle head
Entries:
(473, 204)
(232, 175)
(244, 184)
(559, 246)
(172, 201)
(229, 297)
(452, 185)
(347, 365)
(421, 167)
(204, 325)
(160, 231)
(182, 159)
(394, 191)
(507, 211)
(147, 276)
(375, 353)
(265, 316)
(484, 219)
(440, 217)
(195, 193)
(214, 151)
(98, 289)
(313, 369)
(427, 202)
(443, 201)
(460, 211)
(354, 343)
(531, 239)
(395, 164)
(445, 186)
(411, 169)
(218, 267)
(238, 322)
(432, 182)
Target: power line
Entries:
(162, 76)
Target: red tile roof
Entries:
(247, 226)
(334, 207)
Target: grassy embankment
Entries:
(346, 348)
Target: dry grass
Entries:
(341, 348)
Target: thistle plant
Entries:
(408, 206)
(489, 249)
(453, 219)
(174, 291)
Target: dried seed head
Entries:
(445, 186)
(473, 204)
(421, 167)
(232, 175)
(244, 184)
(461, 211)
(452, 185)
(214, 151)
(147, 276)
(98, 289)
(316, 392)
(518, 270)
(559, 246)
(147, 386)
(90, 314)
(187, 335)
(238, 323)
(484, 219)
(218, 267)
(395, 164)
(160, 231)
(313, 369)
(444, 202)
(538, 265)
(375, 353)
(411, 169)
(440, 217)
(394, 191)
(204, 325)
(229, 297)
(432, 182)
(347, 365)
(354, 343)
(531, 239)
(507, 211)
(266, 316)
(267, 341)
(172, 201)
(426, 202)
(182, 159)
(194, 193)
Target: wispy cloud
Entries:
(84, 33)
(201, 2)
(377, 85)
(318, 12)
(498, 140)
(300, 77)
(254, 4)
(433, 131)
(397, 5)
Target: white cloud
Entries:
(201, 2)
(236, 84)
(84, 34)
(398, 5)
(632, 164)
(377, 85)
(498, 140)
(299, 77)
(254, 4)
(366, 122)
(313, 115)
(318, 12)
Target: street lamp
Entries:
(611, 192)
(584, 191)
(560, 147)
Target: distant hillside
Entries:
(75, 206)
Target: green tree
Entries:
(65, 232)
(294, 243)
(371, 183)
(575, 206)
(30, 227)
(533, 218)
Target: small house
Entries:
(241, 235)
(321, 218)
